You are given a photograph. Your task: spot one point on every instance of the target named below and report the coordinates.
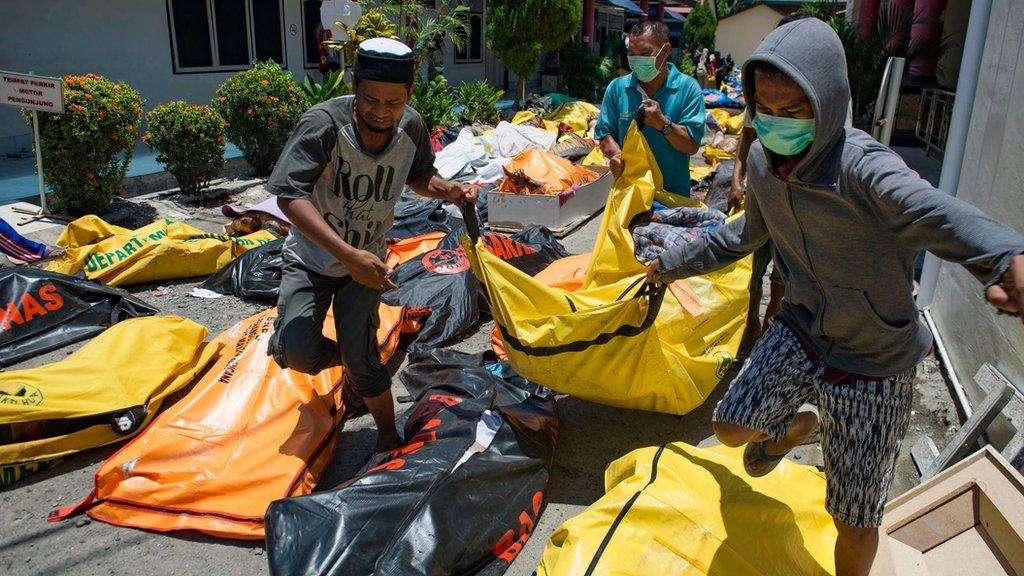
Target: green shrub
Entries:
(86, 151)
(333, 86)
(581, 71)
(686, 65)
(261, 106)
(434, 102)
(699, 29)
(189, 141)
(480, 102)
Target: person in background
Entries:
(672, 104)
(702, 68)
(624, 56)
(848, 218)
(720, 75)
(329, 60)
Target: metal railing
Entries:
(933, 118)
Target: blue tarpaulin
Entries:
(626, 5)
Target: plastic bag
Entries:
(43, 311)
(248, 433)
(254, 275)
(577, 115)
(613, 339)
(537, 172)
(680, 510)
(442, 282)
(162, 250)
(460, 497)
(104, 392)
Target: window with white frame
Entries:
(474, 48)
(220, 35)
(310, 42)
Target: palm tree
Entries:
(866, 57)
(426, 34)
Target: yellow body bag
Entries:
(74, 404)
(608, 340)
(576, 115)
(162, 250)
(683, 511)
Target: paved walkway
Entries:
(18, 175)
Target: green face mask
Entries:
(645, 68)
(784, 136)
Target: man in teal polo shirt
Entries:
(673, 108)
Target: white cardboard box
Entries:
(967, 520)
(512, 212)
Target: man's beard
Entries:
(369, 126)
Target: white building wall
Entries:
(488, 68)
(125, 40)
(129, 40)
(741, 33)
(992, 179)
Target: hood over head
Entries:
(809, 52)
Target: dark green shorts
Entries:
(298, 342)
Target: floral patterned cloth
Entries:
(659, 230)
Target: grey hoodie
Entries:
(847, 225)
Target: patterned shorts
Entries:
(862, 420)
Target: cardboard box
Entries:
(513, 212)
(967, 520)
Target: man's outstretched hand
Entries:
(1008, 295)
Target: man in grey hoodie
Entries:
(847, 218)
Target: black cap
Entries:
(385, 60)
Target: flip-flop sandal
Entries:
(770, 460)
(812, 438)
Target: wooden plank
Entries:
(971, 431)
(1014, 451)
(990, 380)
(924, 453)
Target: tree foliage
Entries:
(699, 30)
(520, 30)
(866, 57)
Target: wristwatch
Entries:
(667, 128)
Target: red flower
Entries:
(264, 82)
(248, 111)
(103, 114)
(90, 175)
